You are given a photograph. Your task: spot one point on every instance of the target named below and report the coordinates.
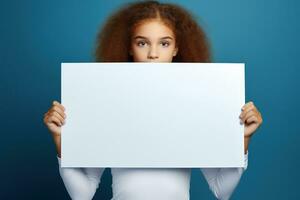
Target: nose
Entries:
(153, 54)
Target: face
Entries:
(153, 41)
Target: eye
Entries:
(165, 44)
(141, 43)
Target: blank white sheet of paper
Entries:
(152, 114)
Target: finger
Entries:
(46, 118)
(248, 115)
(56, 103)
(59, 111)
(247, 109)
(254, 108)
(252, 119)
(61, 119)
(259, 113)
(54, 119)
(247, 105)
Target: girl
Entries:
(150, 32)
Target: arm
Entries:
(81, 183)
(223, 181)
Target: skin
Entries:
(151, 41)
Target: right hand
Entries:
(55, 118)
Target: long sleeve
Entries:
(81, 183)
(223, 181)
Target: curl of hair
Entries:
(113, 41)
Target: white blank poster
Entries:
(152, 114)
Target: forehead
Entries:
(152, 29)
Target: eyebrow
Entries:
(142, 37)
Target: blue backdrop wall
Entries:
(36, 36)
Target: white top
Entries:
(149, 183)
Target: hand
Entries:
(251, 118)
(55, 118)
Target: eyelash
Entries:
(138, 43)
(168, 44)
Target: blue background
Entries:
(36, 36)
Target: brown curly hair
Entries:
(113, 41)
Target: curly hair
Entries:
(113, 41)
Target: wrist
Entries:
(246, 143)
(57, 142)
(247, 138)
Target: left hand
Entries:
(251, 118)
